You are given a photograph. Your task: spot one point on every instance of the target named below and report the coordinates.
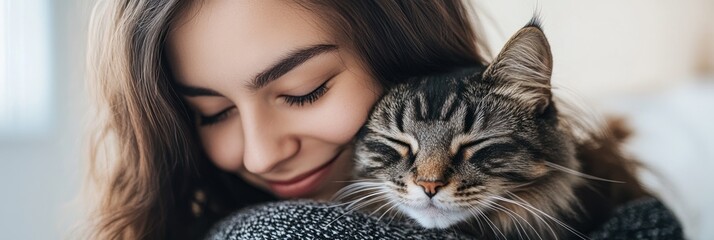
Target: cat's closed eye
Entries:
(466, 149)
(494, 151)
(401, 146)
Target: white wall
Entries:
(40, 176)
(610, 48)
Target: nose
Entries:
(267, 142)
(430, 187)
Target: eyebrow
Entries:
(294, 59)
(280, 68)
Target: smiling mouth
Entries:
(305, 175)
(304, 183)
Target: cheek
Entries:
(223, 144)
(339, 118)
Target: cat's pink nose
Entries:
(430, 187)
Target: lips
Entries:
(303, 184)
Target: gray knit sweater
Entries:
(641, 219)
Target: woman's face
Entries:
(279, 100)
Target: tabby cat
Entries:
(488, 150)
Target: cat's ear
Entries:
(524, 66)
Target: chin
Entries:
(435, 217)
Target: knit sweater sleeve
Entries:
(314, 220)
(642, 219)
(645, 218)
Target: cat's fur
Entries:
(488, 150)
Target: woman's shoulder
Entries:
(317, 220)
(644, 218)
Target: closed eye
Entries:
(472, 143)
(461, 153)
(402, 144)
(494, 151)
(215, 118)
(307, 98)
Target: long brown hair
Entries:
(149, 177)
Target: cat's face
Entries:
(446, 148)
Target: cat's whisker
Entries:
(579, 174)
(348, 190)
(512, 214)
(564, 225)
(476, 217)
(376, 193)
(395, 203)
(371, 192)
(367, 203)
(478, 213)
(492, 207)
(520, 186)
(491, 224)
(454, 230)
(342, 197)
(354, 189)
(387, 203)
(394, 215)
(389, 209)
(536, 213)
(345, 195)
(360, 185)
(469, 224)
(364, 180)
(527, 206)
(350, 208)
(478, 221)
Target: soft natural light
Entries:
(25, 107)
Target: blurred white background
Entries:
(42, 109)
(652, 61)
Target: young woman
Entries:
(205, 107)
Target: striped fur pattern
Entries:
(482, 148)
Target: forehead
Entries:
(234, 40)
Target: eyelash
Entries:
(210, 120)
(290, 100)
(307, 98)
